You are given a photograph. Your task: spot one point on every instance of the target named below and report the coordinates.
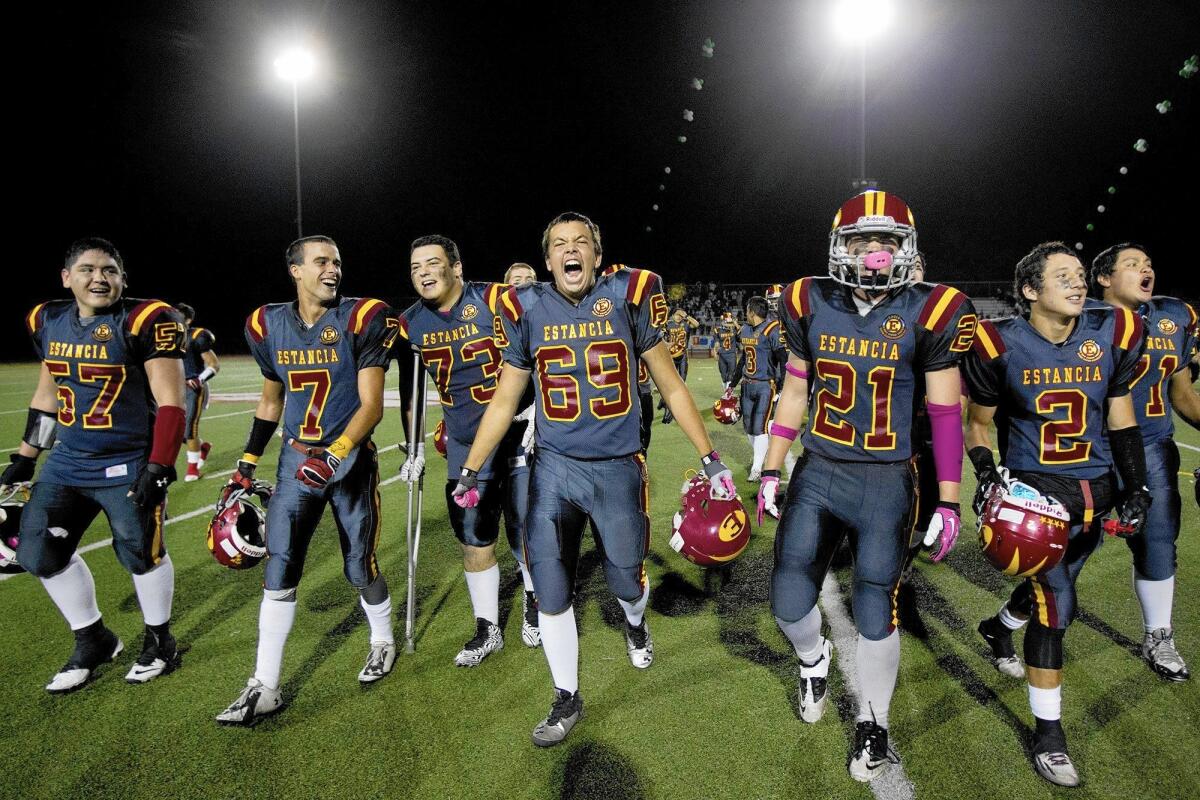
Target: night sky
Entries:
(162, 127)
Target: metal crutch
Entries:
(416, 436)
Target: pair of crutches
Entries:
(416, 436)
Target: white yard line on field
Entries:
(1189, 446)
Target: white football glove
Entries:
(527, 416)
(413, 468)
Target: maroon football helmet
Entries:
(439, 437)
(237, 533)
(726, 409)
(10, 527)
(707, 531)
(1023, 533)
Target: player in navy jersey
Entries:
(760, 353)
(724, 348)
(645, 387)
(677, 331)
(1054, 379)
(452, 327)
(200, 365)
(581, 338)
(1124, 275)
(111, 393)
(859, 338)
(323, 359)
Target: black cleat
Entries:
(160, 656)
(999, 639)
(94, 645)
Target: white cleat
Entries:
(82, 665)
(1056, 768)
(487, 640)
(870, 755)
(531, 635)
(639, 644)
(813, 690)
(380, 661)
(255, 702)
(1158, 648)
(1011, 666)
(159, 657)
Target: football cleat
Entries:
(755, 475)
(1158, 648)
(159, 657)
(90, 653)
(193, 473)
(999, 639)
(870, 755)
(487, 640)
(255, 702)
(531, 635)
(1050, 757)
(1022, 532)
(380, 660)
(813, 690)
(205, 448)
(639, 644)
(566, 711)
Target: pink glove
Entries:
(466, 493)
(945, 525)
(766, 496)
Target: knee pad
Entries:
(1043, 646)
(873, 610)
(375, 592)
(282, 595)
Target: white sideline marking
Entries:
(1189, 446)
(893, 784)
(229, 414)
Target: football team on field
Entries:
(546, 402)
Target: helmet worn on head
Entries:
(237, 533)
(439, 437)
(726, 410)
(11, 505)
(873, 212)
(709, 531)
(773, 293)
(1022, 532)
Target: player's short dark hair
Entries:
(1031, 268)
(187, 311)
(81, 246)
(571, 216)
(758, 306)
(295, 251)
(924, 260)
(447, 244)
(1106, 262)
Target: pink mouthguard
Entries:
(878, 260)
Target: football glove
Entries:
(317, 471)
(1132, 516)
(720, 477)
(241, 480)
(194, 384)
(987, 475)
(20, 470)
(527, 436)
(149, 488)
(413, 468)
(766, 494)
(466, 491)
(943, 529)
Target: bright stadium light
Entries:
(862, 20)
(295, 65)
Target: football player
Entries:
(452, 328)
(678, 328)
(111, 392)
(199, 366)
(520, 274)
(860, 338)
(1125, 276)
(724, 348)
(1054, 379)
(760, 352)
(323, 359)
(582, 337)
(645, 388)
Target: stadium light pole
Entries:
(295, 65)
(861, 22)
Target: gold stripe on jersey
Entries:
(360, 315)
(147, 312)
(985, 339)
(639, 290)
(935, 318)
(31, 321)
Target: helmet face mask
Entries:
(726, 410)
(237, 533)
(872, 213)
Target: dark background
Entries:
(163, 127)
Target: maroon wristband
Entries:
(168, 435)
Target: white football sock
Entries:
(484, 588)
(635, 612)
(193, 456)
(760, 451)
(1157, 598)
(805, 635)
(878, 664)
(379, 617)
(155, 592)
(560, 641)
(74, 592)
(275, 618)
(1046, 703)
(526, 578)
(1010, 620)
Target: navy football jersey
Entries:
(459, 352)
(1050, 399)
(676, 335)
(727, 342)
(105, 408)
(1171, 336)
(863, 369)
(584, 358)
(762, 350)
(199, 341)
(318, 365)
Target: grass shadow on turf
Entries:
(594, 770)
